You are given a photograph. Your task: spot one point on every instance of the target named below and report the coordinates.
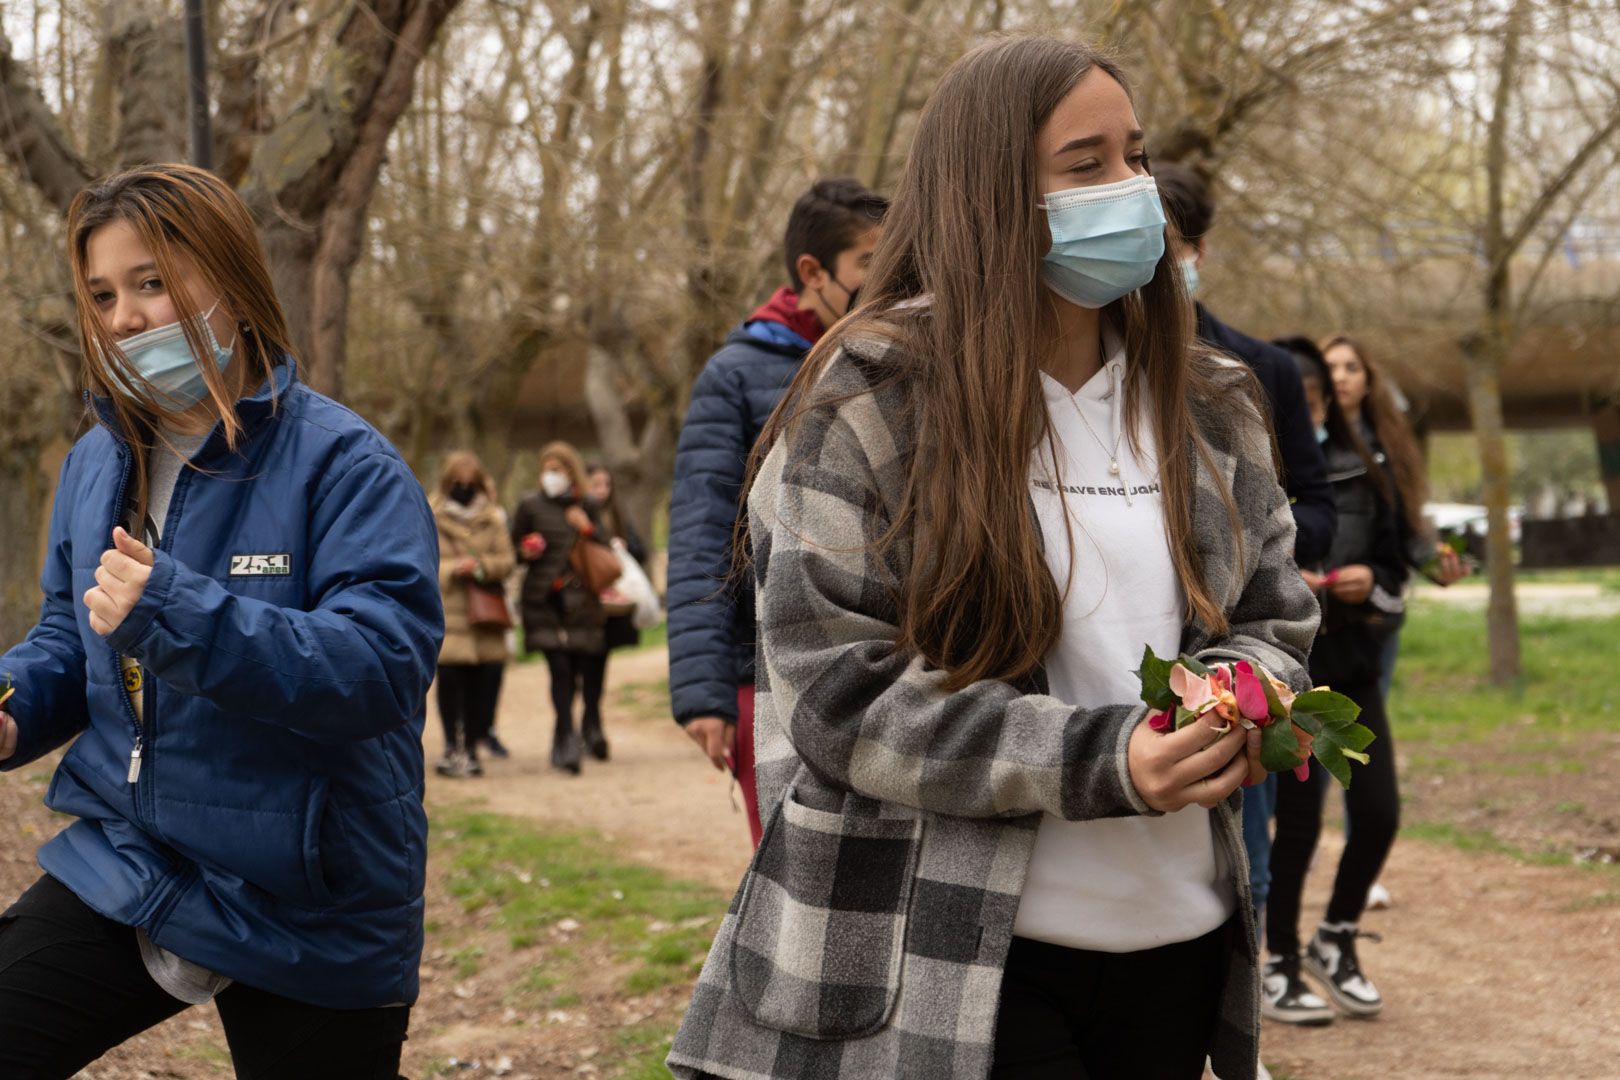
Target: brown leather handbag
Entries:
(595, 565)
(486, 607)
(486, 600)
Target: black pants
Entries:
(1372, 809)
(1073, 1014)
(468, 694)
(577, 674)
(72, 987)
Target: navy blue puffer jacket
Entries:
(711, 623)
(288, 634)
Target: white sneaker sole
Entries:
(1299, 1017)
(1350, 1006)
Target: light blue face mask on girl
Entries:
(164, 359)
(1106, 240)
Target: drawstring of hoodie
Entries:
(1116, 394)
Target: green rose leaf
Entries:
(1279, 747)
(1340, 740)
(1192, 665)
(1155, 676)
(1274, 703)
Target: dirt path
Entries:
(1572, 599)
(657, 801)
(1492, 968)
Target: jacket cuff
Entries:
(129, 633)
(1122, 764)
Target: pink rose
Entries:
(1251, 696)
(1194, 690)
(1160, 721)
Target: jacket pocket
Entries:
(314, 815)
(274, 848)
(821, 925)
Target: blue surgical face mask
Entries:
(1321, 434)
(1189, 272)
(1106, 240)
(164, 359)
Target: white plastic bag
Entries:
(634, 586)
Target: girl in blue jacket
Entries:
(240, 621)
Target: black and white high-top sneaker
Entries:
(1285, 997)
(1331, 958)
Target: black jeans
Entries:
(1372, 808)
(1074, 1014)
(72, 987)
(581, 674)
(468, 694)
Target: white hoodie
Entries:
(1116, 884)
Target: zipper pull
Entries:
(135, 763)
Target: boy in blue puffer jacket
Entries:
(241, 619)
(830, 235)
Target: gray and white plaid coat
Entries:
(868, 937)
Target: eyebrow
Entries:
(1094, 140)
(141, 269)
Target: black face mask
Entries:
(851, 296)
(463, 493)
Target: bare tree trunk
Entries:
(31, 138)
(298, 166)
(343, 223)
(148, 51)
(1485, 408)
(1486, 353)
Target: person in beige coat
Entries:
(475, 553)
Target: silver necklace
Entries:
(1113, 455)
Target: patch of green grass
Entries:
(648, 1064)
(566, 1000)
(1610, 898)
(1608, 578)
(542, 886)
(538, 980)
(1479, 840)
(656, 638)
(467, 961)
(1443, 696)
(215, 1056)
(658, 688)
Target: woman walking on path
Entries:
(562, 618)
(619, 631)
(983, 495)
(240, 622)
(1360, 587)
(475, 555)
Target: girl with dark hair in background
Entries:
(240, 623)
(475, 554)
(985, 492)
(1360, 588)
(619, 631)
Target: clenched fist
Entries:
(120, 582)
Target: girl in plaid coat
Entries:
(986, 492)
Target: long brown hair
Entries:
(609, 511)
(966, 231)
(1394, 433)
(178, 209)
